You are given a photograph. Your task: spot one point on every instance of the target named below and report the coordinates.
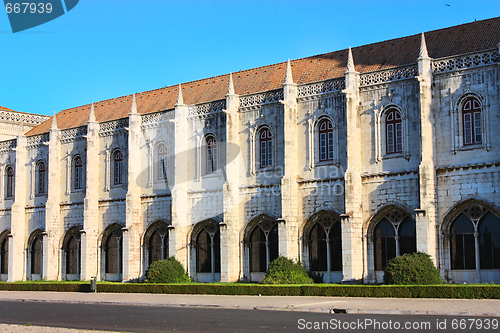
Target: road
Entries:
(126, 318)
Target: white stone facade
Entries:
(226, 186)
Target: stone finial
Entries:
(423, 48)
(133, 109)
(230, 87)
(350, 62)
(288, 77)
(54, 121)
(92, 114)
(21, 128)
(180, 99)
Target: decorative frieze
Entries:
(37, 140)
(150, 120)
(107, 128)
(468, 61)
(321, 87)
(203, 110)
(391, 75)
(73, 134)
(6, 146)
(271, 96)
(6, 116)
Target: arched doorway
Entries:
(72, 255)
(262, 245)
(113, 253)
(322, 244)
(472, 244)
(4, 256)
(205, 242)
(156, 243)
(35, 256)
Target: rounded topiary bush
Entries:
(286, 271)
(166, 271)
(412, 269)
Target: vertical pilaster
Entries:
(182, 171)
(290, 203)
(233, 208)
(426, 217)
(53, 225)
(132, 259)
(352, 232)
(18, 219)
(89, 237)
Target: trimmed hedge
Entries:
(286, 271)
(167, 271)
(436, 291)
(412, 269)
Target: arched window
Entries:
(394, 132)
(4, 255)
(393, 236)
(118, 167)
(9, 182)
(325, 245)
(113, 251)
(263, 245)
(157, 242)
(325, 140)
(471, 121)
(77, 173)
(72, 251)
(41, 175)
(36, 255)
(211, 152)
(475, 233)
(266, 148)
(208, 249)
(162, 162)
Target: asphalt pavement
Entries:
(349, 305)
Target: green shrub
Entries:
(286, 271)
(412, 269)
(166, 271)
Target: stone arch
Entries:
(380, 132)
(156, 242)
(206, 250)
(261, 245)
(35, 255)
(71, 254)
(112, 253)
(4, 254)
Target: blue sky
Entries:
(110, 48)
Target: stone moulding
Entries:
(383, 76)
(107, 128)
(465, 61)
(321, 87)
(205, 109)
(73, 134)
(6, 146)
(449, 168)
(150, 120)
(37, 140)
(271, 96)
(22, 118)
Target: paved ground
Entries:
(447, 307)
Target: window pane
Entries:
(399, 138)
(263, 154)
(269, 153)
(322, 146)
(467, 128)
(390, 138)
(477, 127)
(330, 145)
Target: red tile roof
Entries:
(462, 39)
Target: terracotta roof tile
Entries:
(466, 38)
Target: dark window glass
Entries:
(9, 190)
(318, 251)
(407, 236)
(471, 121)
(489, 242)
(4, 256)
(162, 162)
(266, 148)
(394, 132)
(259, 249)
(118, 167)
(385, 243)
(72, 255)
(325, 140)
(204, 247)
(336, 247)
(114, 254)
(36, 255)
(211, 154)
(41, 188)
(78, 173)
(462, 244)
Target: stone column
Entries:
(18, 223)
(426, 219)
(91, 229)
(352, 232)
(132, 259)
(291, 208)
(183, 172)
(233, 208)
(53, 225)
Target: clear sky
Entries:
(110, 48)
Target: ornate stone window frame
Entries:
(36, 174)
(9, 182)
(113, 175)
(457, 129)
(314, 141)
(381, 135)
(255, 165)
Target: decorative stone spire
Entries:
(133, 109)
(92, 114)
(230, 87)
(21, 128)
(423, 48)
(350, 62)
(54, 121)
(180, 99)
(288, 77)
